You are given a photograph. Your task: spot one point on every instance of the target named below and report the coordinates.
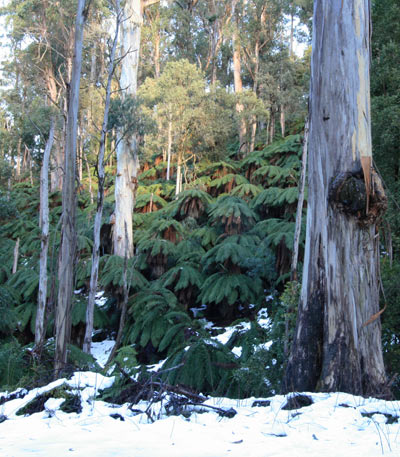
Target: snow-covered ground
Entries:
(333, 425)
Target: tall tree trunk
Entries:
(40, 324)
(169, 149)
(15, 257)
(337, 342)
(237, 79)
(282, 120)
(87, 342)
(300, 204)
(68, 230)
(127, 159)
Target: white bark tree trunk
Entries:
(68, 230)
(127, 159)
(100, 196)
(40, 324)
(237, 79)
(169, 149)
(335, 348)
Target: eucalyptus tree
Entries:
(100, 191)
(40, 327)
(68, 229)
(337, 342)
(127, 154)
(46, 60)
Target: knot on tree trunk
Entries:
(348, 194)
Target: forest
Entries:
(154, 192)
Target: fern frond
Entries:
(183, 275)
(228, 287)
(275, 196)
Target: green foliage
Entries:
(183, 275)
(207, 366)
(228, 179)
(229, 252)
(391, 322)
(78, 314)
(231, 287)
(126, 358)
(144, 199)
(246, 191)
(275, 230)
(113, 272)
(127, 115)
(8, 299)
(192, 203)
(13, 366)
(150, 309)
(26, 280)
(276, 196)
(233, 213)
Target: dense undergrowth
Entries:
(218, 253)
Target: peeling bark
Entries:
(332, 349)
(68, 229)
(127, 159)
(40, 327)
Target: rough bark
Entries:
(100, 196)
(333, 349)
(40, 323)
(68, 230)
(127, 159)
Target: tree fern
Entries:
(206, 235)
(246, 191)
(189, 249)
(221, 168)
(150, 310)
(227, 182)
(230, 288)
(154, 247)
(275, 196)
(143, 200)
(113, 269)
(273, 174)
(202, 365)
(233, 213)
(8, 300)
(6, 258)
(26, 313)
(274, 230)
(26, 281)
(183, 275)
(192, 202)
(226, 251)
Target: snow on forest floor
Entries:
(334, 424)
(331, 424)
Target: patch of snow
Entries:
(101, 351)
(334, 424)
(100, 299)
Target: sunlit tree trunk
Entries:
(40, 323)
(337, 342)
(68, 230)
(100, 196)
(169, 149)
(127, 159)
(237, 78)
